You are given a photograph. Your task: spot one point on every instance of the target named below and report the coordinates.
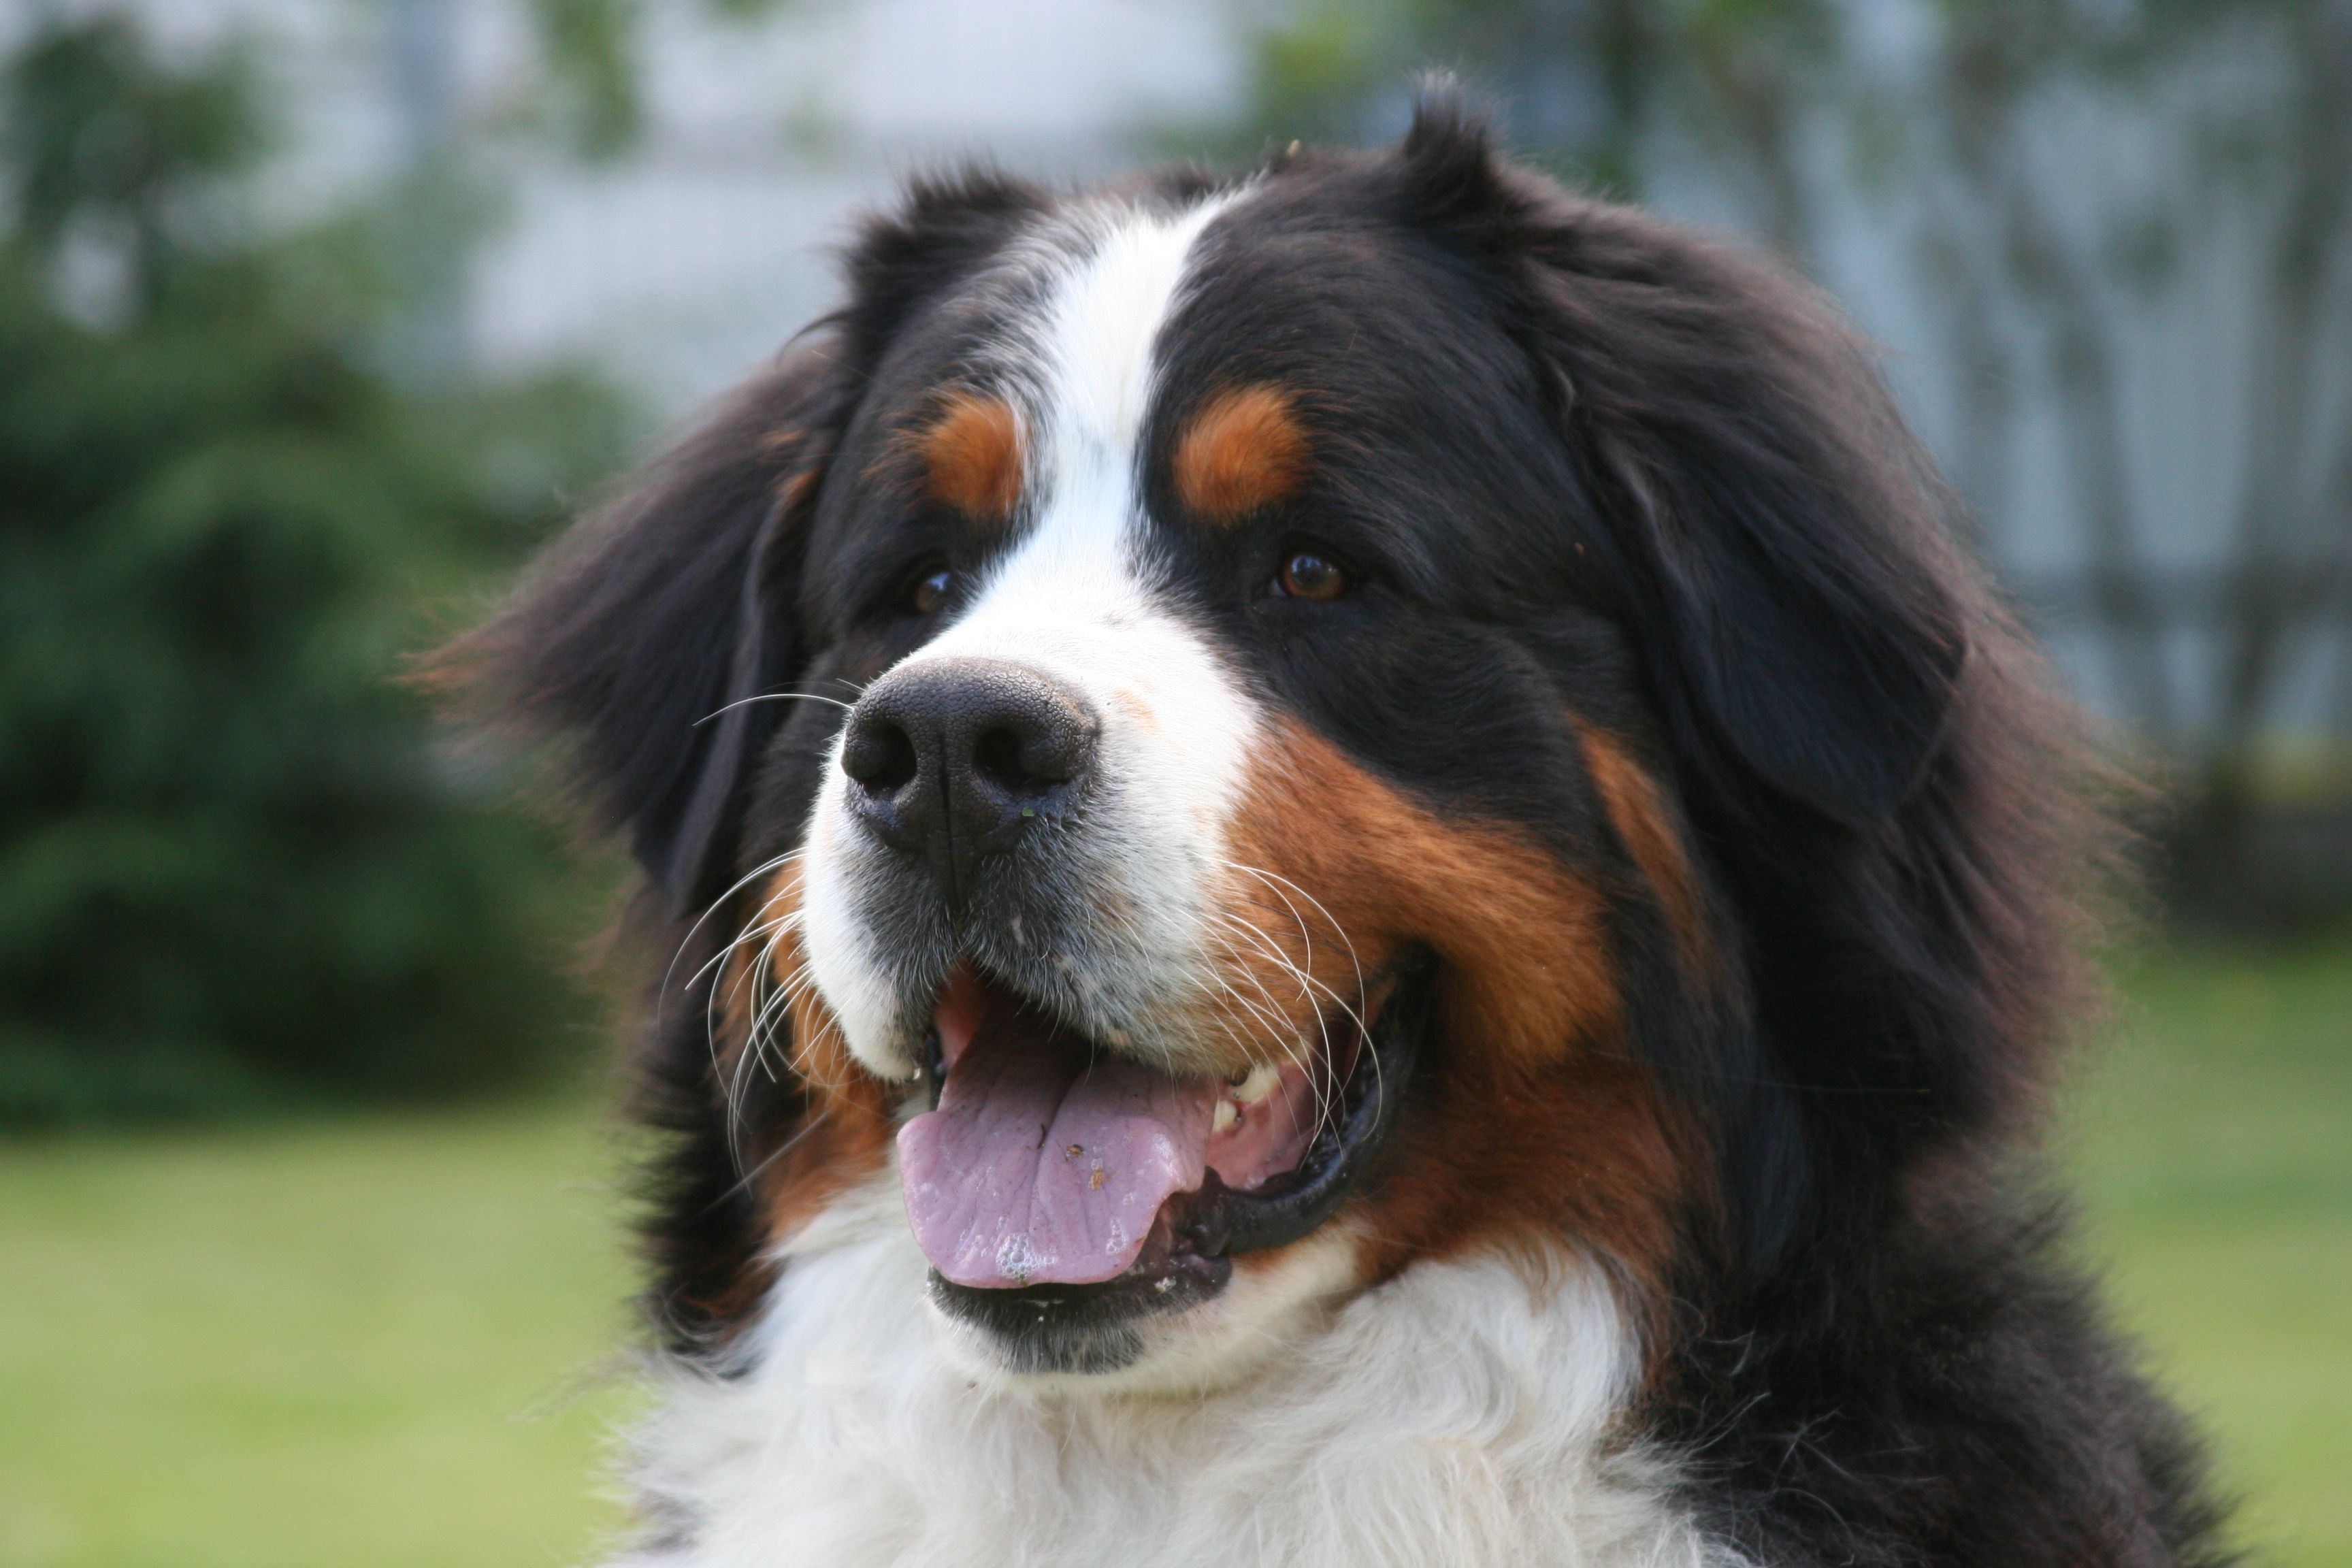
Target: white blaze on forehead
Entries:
(1102, 328)
(1076, 597)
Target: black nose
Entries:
(954, 759)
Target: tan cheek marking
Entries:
(1638, 810)
(1245, 450)
(1524, 939)
(843, 1135)
(971, 457)
(1540, 1123)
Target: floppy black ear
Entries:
(1825, 659)
(1777, 529)
(631, 638)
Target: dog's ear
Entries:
(1777, 531)
(647, 636)
(947, 227)
(637, 639)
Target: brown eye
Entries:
(929, 592)
(1307, 576)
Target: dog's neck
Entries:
(1464, 1413)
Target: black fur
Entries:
(1588, 470)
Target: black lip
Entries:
(1082, 1328)
(1090, 1328)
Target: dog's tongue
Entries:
(1046, 1162)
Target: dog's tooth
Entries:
(1227, 1114)
(1258, 1085)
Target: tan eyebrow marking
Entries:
(973, 453)
(1244, 451)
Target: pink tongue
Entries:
(1044, 1164)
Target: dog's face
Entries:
(1229, 724)
(1209, 703)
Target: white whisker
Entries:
(773, 697)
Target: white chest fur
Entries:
(1458, 1415)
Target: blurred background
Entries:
(316, 315)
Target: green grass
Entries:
(2213, 1143)
(358, 1342)
(386, 1340)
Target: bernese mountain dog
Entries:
(1341, 870)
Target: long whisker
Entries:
(1278, 883)
(774, 930)
(795, 986)
(1325, 1088)
(1282, 887)
(1310, 985)
(763, 1008)
(1278, 1023)
(756, 872)
(1274, 1020)
(772, 697)
(746, 935)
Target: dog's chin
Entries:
(1220, 1326)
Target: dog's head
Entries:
(1247, 734)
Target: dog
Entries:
(1346, 872)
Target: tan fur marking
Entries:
(797, 489)
(843, 1135)
(1638, 810)
(1539, 1122)
(1245, 450)
(972, 454)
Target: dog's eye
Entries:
(1308, 575)
(928, 594)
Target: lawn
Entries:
(2213, 1143)
(389, 1341)
(373, 1341)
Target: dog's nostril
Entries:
(879, 756)
(951, 758)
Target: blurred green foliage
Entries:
(236, 863)
(1582, 85)
(593, 94)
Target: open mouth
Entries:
(1055, 1180)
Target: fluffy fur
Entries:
(1460, 1415)
(1653, 758)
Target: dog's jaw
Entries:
(853, 1436)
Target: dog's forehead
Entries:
(1077, 313)
(1095, 351)
(1052, 392)
(1110, 315)
(1113, 321)
(1033, 377)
